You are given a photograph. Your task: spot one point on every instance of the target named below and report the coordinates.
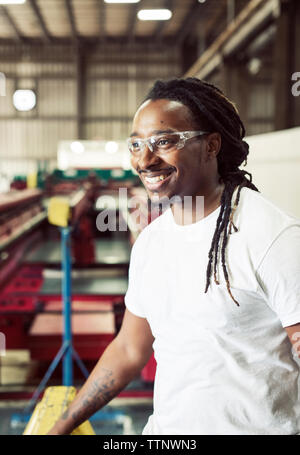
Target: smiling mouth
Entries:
(157, 181)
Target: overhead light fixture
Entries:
(12, 2)
(63, 160)
(77, 147)
(122, 1)
(201, 1)
(24, 100)
(111, 147)
(154, 14)
(254, 66)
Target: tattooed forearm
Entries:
(101, 391)
(114, 370)
(65, 415)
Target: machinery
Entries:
(31, 309)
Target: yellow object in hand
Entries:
(54, 403)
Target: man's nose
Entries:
(147, 157)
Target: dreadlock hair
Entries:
(212, 110)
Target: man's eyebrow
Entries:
(156, 132)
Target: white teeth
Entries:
(155, 179)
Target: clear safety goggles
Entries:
(162, 143)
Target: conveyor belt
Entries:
(107, 252)
(96, 286)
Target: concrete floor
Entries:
(107, 251)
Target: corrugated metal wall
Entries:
(249, 82)
(116, 81)
(259, 109)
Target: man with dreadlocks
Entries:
(216, 298)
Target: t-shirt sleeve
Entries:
(133, 295)
(279, 275)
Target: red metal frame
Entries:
(21, 302)
(15, 199)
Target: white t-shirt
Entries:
(221, 369)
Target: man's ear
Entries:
(214, 142)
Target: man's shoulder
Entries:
(257, 212)
(260, 222)
(259, 201)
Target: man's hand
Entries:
(120, 363)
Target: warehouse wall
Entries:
(114, 81)
(253, 93)
(274, 164)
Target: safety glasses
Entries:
(162, 143)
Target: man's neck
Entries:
(195, 208)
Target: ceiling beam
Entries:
(89, 41)
(70, 11)
(168, 4)
(214, 18)
(252, 19)
(190, 20)
(102, 19)
(40, 19)
(12, 23)
(132, 20)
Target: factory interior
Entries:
(72, 75)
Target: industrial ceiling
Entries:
(83, 20)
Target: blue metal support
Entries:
(66, 351)
(80, 363)
(45, 379)
(67, 308)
